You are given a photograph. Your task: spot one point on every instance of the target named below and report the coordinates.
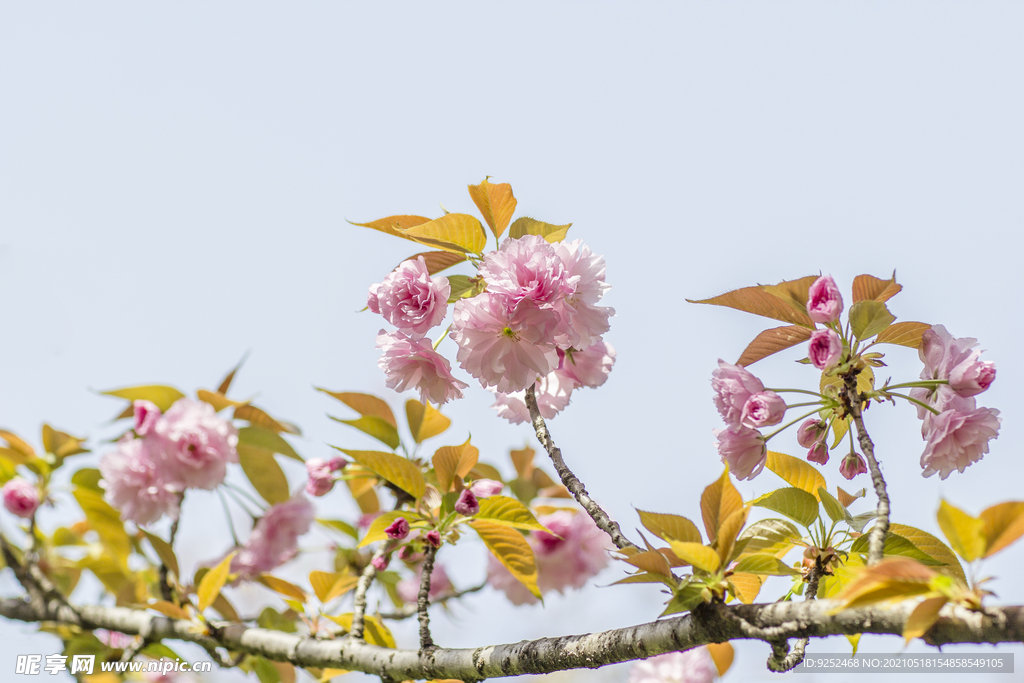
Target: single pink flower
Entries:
(526, 268)
(414, 364)
(21, 498)
(485, 488)
(811, 432)
(733, 385)
(398, 529)
(581, 320)
(320, 477)
(381, 563)
(825, 349)
(818, 453)
(146, 415)
(410, 299)
(194, 444)
(138, 483)
(589, 367)
(433, 537)
(955, 439)
(852, 465)
(440, 585)
(743, 449)
(504, 347)
(824, 302)
(552, 392)
(467, 504)
(763, 409)
(275, 538)
(692, 666)
(954, 359)
(575, 551)
(972, 378)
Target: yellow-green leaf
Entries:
(376, 427)
(425, 420)
(530, 226)
(795, 503)
(931, 546)
(330, 585)
(511, 549)
(727, 533)
(895, 545)
(509, 512)
(770, 536)
(922, 618)
(393, 468)
(106, 522)
(865, 382)
(767, 565)
(267, 440)
(61, 444)
(1002, 525)
(458, 232)
(759, 302)
(793, 292)
(374, 630)
(796, 472)
(260, 418)
(454, 461)
(263, 472)
(496, 204)
(904, 334)
(868, 318)
(700, 556)
(164, 551)
(218, 400)
(833, 508)
(17, 443)
(162, 396)
(894, 578)
(376, 530)
(772, 341)
(283, 587)
(225, 383)
(718, 501)
(964, 532)
(366, 405)
(394, 225)
(213, 581)
(870, 288)
(746, 586)
(651, 561)
(169, 609)
(670, 527)
(436, 261)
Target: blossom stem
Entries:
(803, 405)
(243, 492)
(913, 400)
(798, 391)
(854, 405)
(790, 424)
(570, 480)
(166, 590)
(441, 338)
(423, 600)
(227, 515)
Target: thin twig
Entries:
(570, 480)
(782, 658)
(876, 537)
(423, 600)
(410, 610)
(365, 579)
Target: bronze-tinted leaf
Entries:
(458, 232)
(425, 421)
(436, 261)
(718, 501)
(905, 334)
(531, 226)
(393, 225)
(1002, 525)
(496, 204)
(772, 341)
(870, 288)
(366, 405)
(759, 302)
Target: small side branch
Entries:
(855, 405)
(570, 480)
(365, 579)
(423, 601)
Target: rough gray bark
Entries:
(876, 536)
(708, 624)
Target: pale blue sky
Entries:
(175, 179)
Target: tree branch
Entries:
(365, 579)
(876, 537)
(423, 601)
(410, 610)
(570, 480)
(708, 624)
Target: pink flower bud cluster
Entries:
(824, 304)
(746, 406)
(189, 446)
(958, 436)
(321, 475)
(577, 551)
(21, 498)
(812, 435)
(275, 538)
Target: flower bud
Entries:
(434, 538)
(21, 498)
(146, 415)
(380, 563)
(811, 432)
(484, 488)
(763, 409)
(825, 349)
(852, 465)
(337, 463)
(818, 453)
(467, 504)
(321, 477)
(972, 378)
(398, 529)
(824, 303)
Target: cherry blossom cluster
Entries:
(536, 321)
(189, 446)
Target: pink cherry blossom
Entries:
(824, 302)
(433, 537)
(552, 393)
(504, 347)
(275, 538)
(114, 639)
(733, 385)
(381, 563)
(485, 488)
(195, 445)
(21, 498)
(972, 378)
(414, 364)
(692, 666)
(146, 415)
(589, 367)
(398, 529)
(743, 449)
(410, 299)
(955, 439)
(138, 483)
(577, 551)
(440, 585)
(954, 359)
(763, 409)
(527, 269)
(825, 349)
(320, 477)
(467, 504)
(852, 465)
(818, 453)
(811, 432)
(582, 321)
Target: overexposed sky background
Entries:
(175, 180)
